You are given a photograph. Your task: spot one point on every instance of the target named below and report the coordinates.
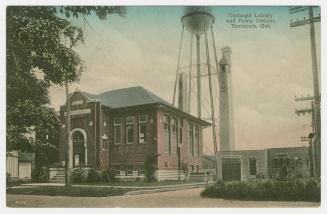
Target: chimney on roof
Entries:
(182, 92)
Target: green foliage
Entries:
(40, 175)
(92, 175)
(149, 168)
(70, 191)
(108, 175)
(78, 175)
(39, 54)
(8, 175)
(270, 190)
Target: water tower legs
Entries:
(198, 75)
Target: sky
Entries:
(269, 66)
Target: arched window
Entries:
(78, 149)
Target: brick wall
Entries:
(98, 124)
(169, 160)
(244, 156)
(134, 153)
(89, 122)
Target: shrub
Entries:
(289, 190)
(78, 175)
(108, 175)
(40, 175)
(8, 175)
(92, 175)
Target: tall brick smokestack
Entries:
(226, 116)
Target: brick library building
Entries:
(119, 129)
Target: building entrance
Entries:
(231, 169)
(78, 149)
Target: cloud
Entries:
(269, 68)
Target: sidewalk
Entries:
(141, 189)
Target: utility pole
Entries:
(311, 111)
(68, 155)
(315, 105)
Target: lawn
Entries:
(138, 183)
(70, 191)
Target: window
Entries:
(117, 169)
(117, 130)
(166, 134)
(196, 141)
(193, 140)
(253, 166)
(174, 135)
(192, 168)
(117, 121)
(180, 133)
(190, 140)
(197, 168)
(78, 149)
(117, 134)
(129, 170)
(142, 128)
(142, 118)
(104, 144)
(141, 170)
(129, 120)
(142, 133)
(129, 134)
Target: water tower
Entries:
(198, 22)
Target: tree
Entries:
(39, 53)
(149, 168)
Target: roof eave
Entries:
(202, 122)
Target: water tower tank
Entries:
(197, 19)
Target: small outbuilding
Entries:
(20, 165)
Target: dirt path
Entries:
(181, 198)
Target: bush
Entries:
(78, 175)
(290, 190)
(108, 175)
(92, 175)
(8, 175)
(40, 175)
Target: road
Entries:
(181, 198)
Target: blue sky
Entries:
(269, 66)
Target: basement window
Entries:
(141, 170)
(129, 170)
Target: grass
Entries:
(137, 183)
(79, 191)
(70, 191)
